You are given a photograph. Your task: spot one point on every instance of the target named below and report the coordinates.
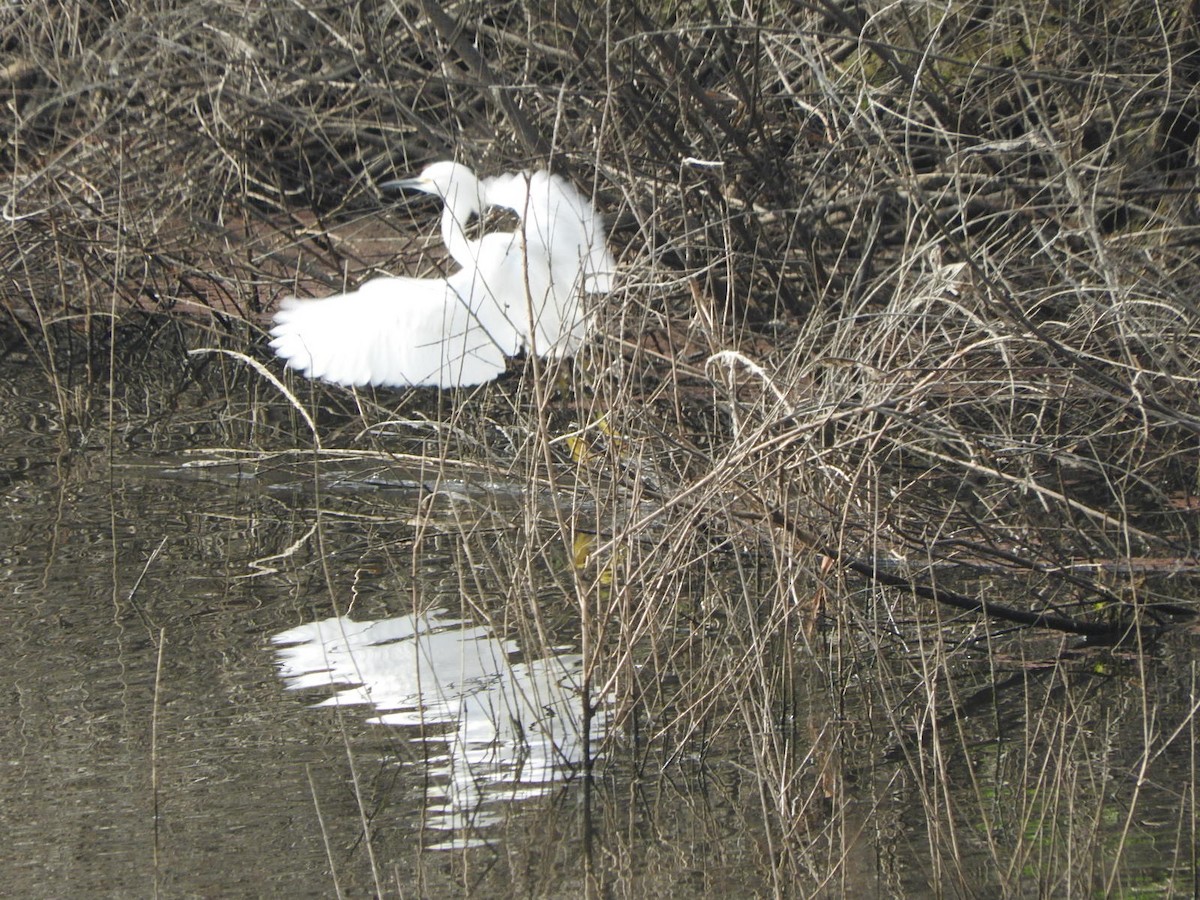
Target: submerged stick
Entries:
(873, 571)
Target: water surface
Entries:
(234, 672)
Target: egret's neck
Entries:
(462, 202)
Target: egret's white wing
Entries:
(559, 218)
(565, 245)
(494, 289)
(396, 332)
(572, 216)
(572, 236)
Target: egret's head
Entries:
(445, 179)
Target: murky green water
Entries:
(226, 677)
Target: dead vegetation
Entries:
(908, 301)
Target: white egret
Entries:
(514, 290)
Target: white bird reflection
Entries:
(510, 728)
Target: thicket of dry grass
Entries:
(906, 288)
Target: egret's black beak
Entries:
(416, 191)
(404, 184)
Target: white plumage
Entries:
(513, 291)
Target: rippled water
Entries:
(160, 610)
(491, 730)
(229, 676)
